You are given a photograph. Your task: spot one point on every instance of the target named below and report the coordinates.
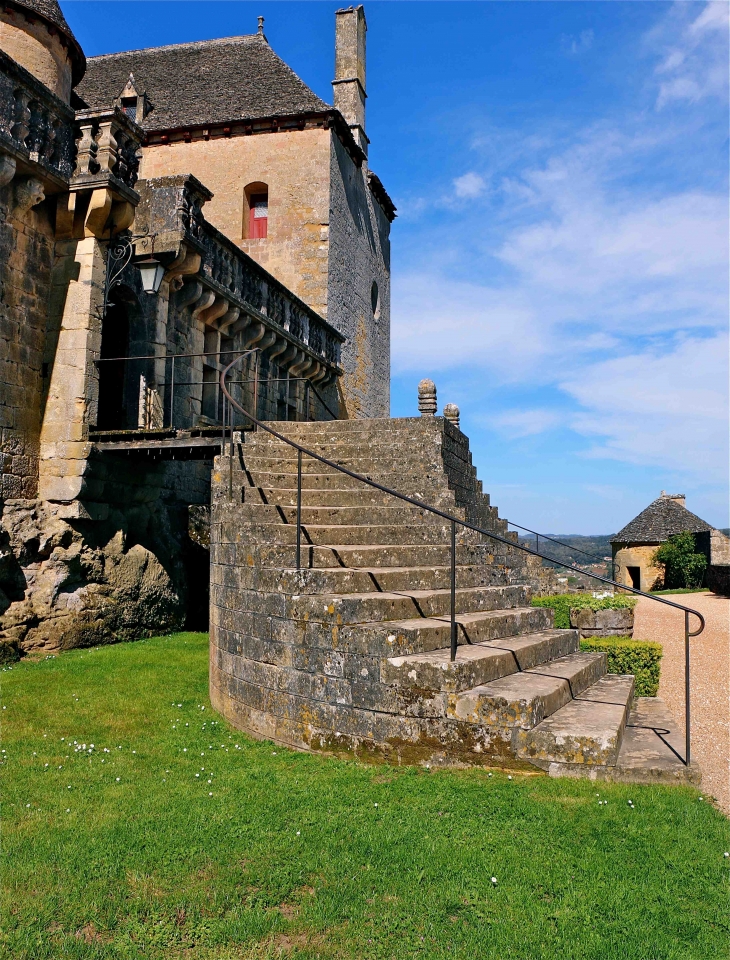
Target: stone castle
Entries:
(166, 213)
(255, 198)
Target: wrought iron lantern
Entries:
(152, 273)
(118, 258)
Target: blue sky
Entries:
(560, 259)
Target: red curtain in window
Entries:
(258, 216)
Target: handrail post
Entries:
(306, 400)
(453, 590)
(299, 509)
(172, 394)
(537, 542)
(256, 389)
(686, 690)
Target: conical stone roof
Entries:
(50, 11)
(661, 520)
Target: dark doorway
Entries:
(635, 575)
(112, 372)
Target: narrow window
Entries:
(256, 211)
(259, 216)
(375, 300)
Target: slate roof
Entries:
(50, 11)
(202, 83)
(661, 520)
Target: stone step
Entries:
(353, 534)
(406, 637)
(361, 515)
(342, 580)
(353, 556)
(526, 698)
(373, 606)
(587, 731)
(395, 447)
(407, 464)
(334, 480)
(475, 664)
(352, 497)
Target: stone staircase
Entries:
(351, 653)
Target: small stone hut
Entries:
(634, 545)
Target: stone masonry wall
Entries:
(359, 255)
(26, 262)
(295, 166)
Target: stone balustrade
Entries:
(245, 284)
(36, 129)
(108, 145)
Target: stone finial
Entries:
(261, 26)
(427, 405)
(451, 412)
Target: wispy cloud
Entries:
(593, 278)
(693, 52)
(469, 185)
(573, 46)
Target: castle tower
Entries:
(35, 34)
(288, 173)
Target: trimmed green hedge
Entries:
(563, 603)
(625, 655)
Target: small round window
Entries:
(375, 300)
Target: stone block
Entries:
(603, 623)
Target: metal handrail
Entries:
(301, 450)
(561, 543)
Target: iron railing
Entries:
(166, 388)
(560, 543)
(303, 451)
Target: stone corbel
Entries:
(279, 347)
(190, 293)
(185, 263)
(210, 314)
(96, 223)
(7, 169)
(29, 193)
(267, 340)
(320, 374)
(206, 300)
(253, 334)
(122, 216)
(65, 215)
(300, 363)
(288, 356)
(228, 319)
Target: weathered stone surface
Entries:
(603, 623)
(67, 589)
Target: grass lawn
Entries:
(177, 837)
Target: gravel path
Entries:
(709, 680)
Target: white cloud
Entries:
(669, 410)
(469, 185)
(693, 51)
(577, 45)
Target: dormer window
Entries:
(129, 106)
(256, 211)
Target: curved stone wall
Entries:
(31, 44)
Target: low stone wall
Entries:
(603, 623)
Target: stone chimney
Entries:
(349, 82)
(677, 497)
